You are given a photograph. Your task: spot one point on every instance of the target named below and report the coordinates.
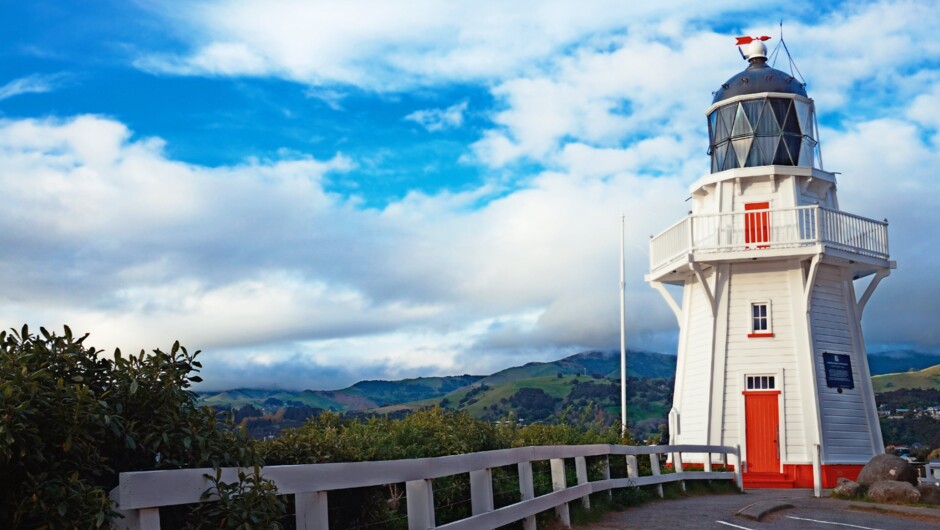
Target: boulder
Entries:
(894, 492)
(887, 467)
(846, 488)
(929, 493)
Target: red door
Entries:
(762, 427)
(757, 224)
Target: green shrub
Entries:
(73, 419)
(250, 503)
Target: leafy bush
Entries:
(73, 419)
(250, 503)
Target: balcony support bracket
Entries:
(676, 310)
(880, 275)
(697, 268)
(810, 280)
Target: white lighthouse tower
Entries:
(771, 355)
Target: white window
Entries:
(761, 382)
(760, 315)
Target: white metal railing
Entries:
(778, 228)
(141, 494)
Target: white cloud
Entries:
(439, 119)
(116, 238)
(381, 46)
(260, 265)
(32, 84)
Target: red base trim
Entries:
(759, 335)
(698, 466)
(801, 476)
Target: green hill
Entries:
(926, 379)
(581, 387)
(367, 395)
(363, 395)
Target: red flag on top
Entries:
(748, 40)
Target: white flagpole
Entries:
(623, 335)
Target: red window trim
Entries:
(760, 392)
(759, 335)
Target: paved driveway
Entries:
(808, 513)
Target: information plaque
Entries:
(838, 370)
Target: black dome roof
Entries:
(757, 78)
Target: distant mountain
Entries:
(368, 395)
(363, 395)
(899, 361)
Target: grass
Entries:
(928, 378)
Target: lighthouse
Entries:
(774, 280)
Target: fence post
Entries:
(420, 504)
(312, 510)
(654, 466)
(131, 519)
(605, 473)
(580, 468)
(708, 463)
(633, 470)
(527, 491)
(677, 464)
(559, 483)
(738, 468)
(149, 518)
(481, 491)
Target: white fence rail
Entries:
(778, 228)
(140, 494)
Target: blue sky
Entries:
(315, 193)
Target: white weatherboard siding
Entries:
(846, 432)
(753, 282)
(693, 410)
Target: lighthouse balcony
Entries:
(775, 233)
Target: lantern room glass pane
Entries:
(792, 145)
(806, 152)
(768, 123)
(741, 125)
(791, 124)
(731, 160)
(768, 148)
(782, 156)
(802, 114)
(781, 108)
(755, 157)
(741, 148)
(712, 120)
(718, 156)
(752, 109)
(725, 120)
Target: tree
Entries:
(73, 419)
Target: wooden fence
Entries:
(141, 494)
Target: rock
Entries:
(894, 492)
(846, 488)
(887, 467)
(929, 493)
